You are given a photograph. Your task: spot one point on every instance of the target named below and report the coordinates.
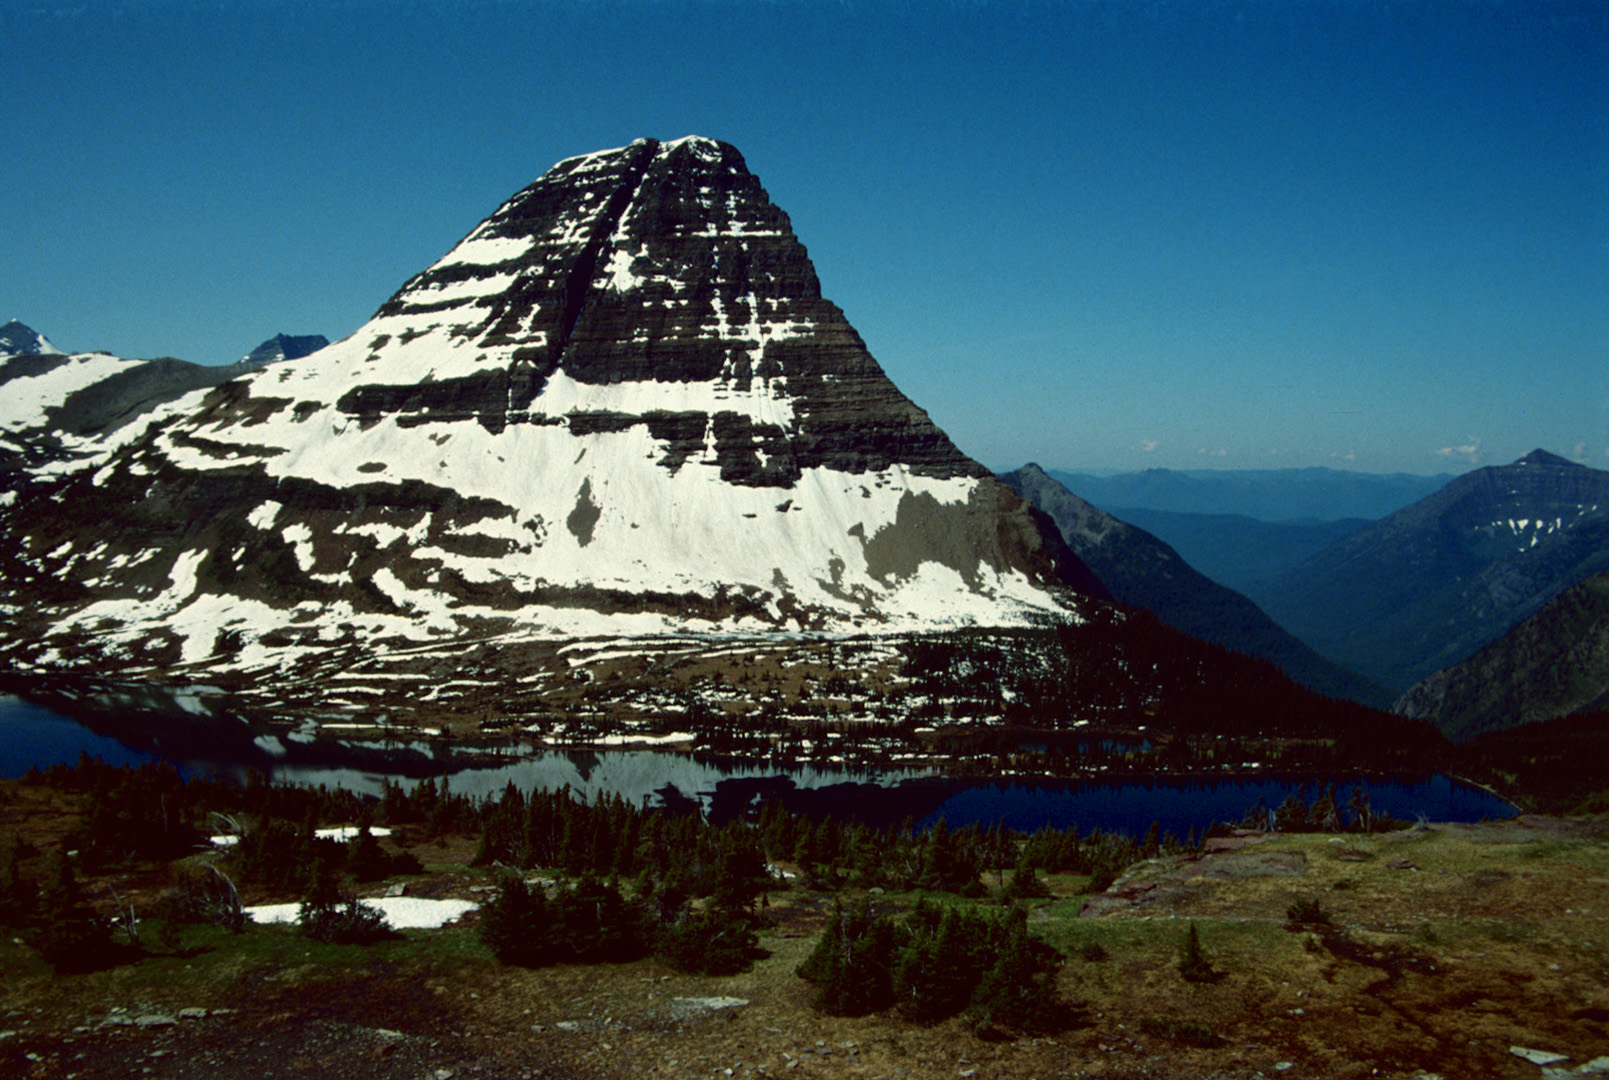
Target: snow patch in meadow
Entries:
(402, 912)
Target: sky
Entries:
(1097, 235)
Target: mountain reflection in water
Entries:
(723, 789)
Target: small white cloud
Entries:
(1350, 455)
(1580, 452)
(1470, 451)
(1220, 452)
(1149, 445)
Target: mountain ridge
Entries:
(1552, 664)
(1317, 492)
(1426, 586)
(1142, 570)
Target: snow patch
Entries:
(402, 912)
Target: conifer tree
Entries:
(364, 858)
(1194, 965)
(1025, 883)
(852, 964)
(65, 932)
(1019, 989)
(515, 923)
(17, 896)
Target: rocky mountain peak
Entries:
(1542, 457)
(619, 406)
(19, 339)
(285, 347)
(662, 264)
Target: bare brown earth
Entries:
(1451, 944)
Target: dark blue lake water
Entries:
(721, 788)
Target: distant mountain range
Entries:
(1241, 552)
(1553, 664)
(1423, 588)
(1141, 570)
(1265, 494)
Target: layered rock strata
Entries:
(619, 406)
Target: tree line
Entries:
(593, 880)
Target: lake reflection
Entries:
(721, 788)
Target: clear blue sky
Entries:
(1095, 235)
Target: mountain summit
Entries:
(285, 347)
(619, 406)
(19, 339)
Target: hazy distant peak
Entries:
(1542, 457)
(285, 347)
(17, 339)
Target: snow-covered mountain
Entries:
(19, 339)
(56, 408)
(620, 406)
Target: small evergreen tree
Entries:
(1151, 846)
(65, 932)
(852, 964)
(1359, 807)
(1325, 814)
(365, 860)
(1194, 966)
(514, 924)
(1025, 883)
(712, 942)
(1019, 988)
(18, 897)
(327, 914)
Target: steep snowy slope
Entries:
(619, 406)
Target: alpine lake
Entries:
(142, 726)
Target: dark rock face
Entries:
(1141, 570)
(620, 405)
(1422, 589)
(1553, 664)
(285, 347)
(672, 266)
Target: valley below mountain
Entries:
(1140, 569)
